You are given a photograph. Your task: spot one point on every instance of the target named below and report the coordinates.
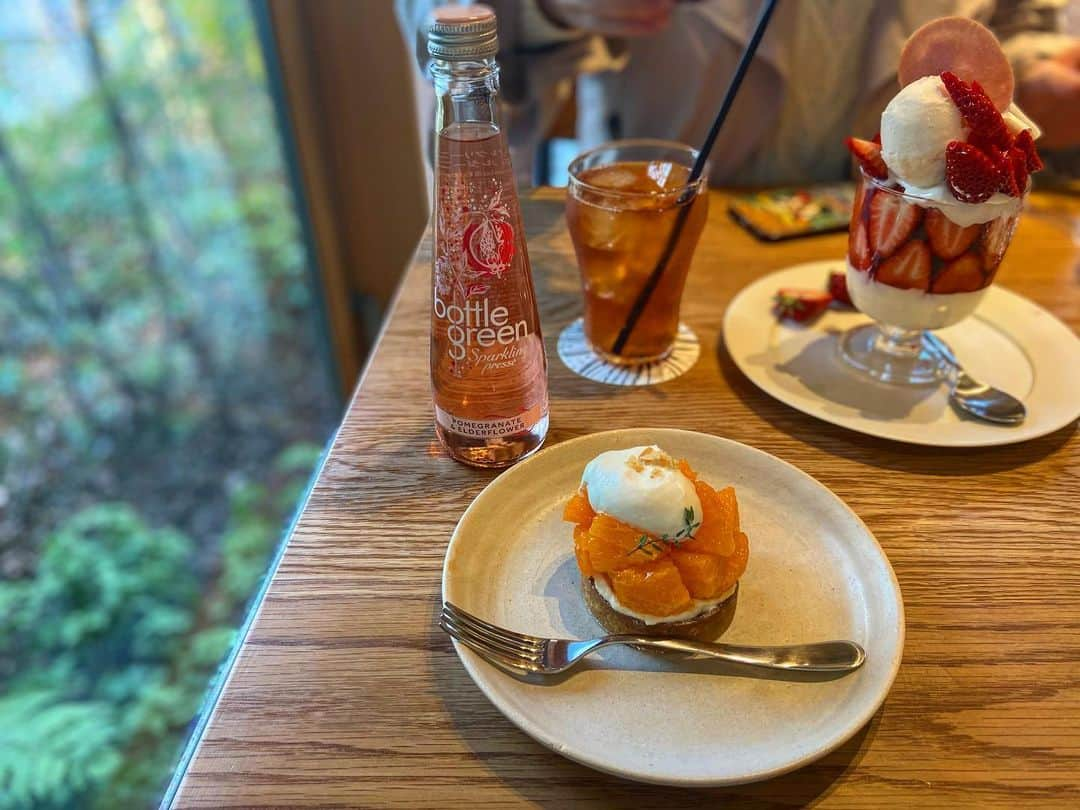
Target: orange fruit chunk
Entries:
(654, 588)
(702, 574)
(687, 470)
(613, 545)
(734, 565)
(719, 521)
(578, 509)
(581, 550)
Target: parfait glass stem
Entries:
(898, 342)
(890, 354)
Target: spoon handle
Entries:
(942, 350)
(958, 377)
(971, 396)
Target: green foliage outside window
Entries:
(163, 395)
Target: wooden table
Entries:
(346, 694)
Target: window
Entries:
(165, 381)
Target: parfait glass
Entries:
(914, 264)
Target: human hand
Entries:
(613, 18)
(1050, 93)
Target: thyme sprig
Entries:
(651, 547)
(648, 546)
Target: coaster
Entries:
(579, 357)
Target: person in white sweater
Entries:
(825, 69)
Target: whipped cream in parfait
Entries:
(962, 213)
(943, 185)
(916, 129)
(909, 309)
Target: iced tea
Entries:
(620, 216)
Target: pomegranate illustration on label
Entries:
(489, 243)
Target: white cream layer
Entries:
(909, 309)
(603, 587)
(643, 487)
(961, 213)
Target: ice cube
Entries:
(659, 172)
(600, 227)
(614, 177)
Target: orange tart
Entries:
(660, 550)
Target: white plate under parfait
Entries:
(1010, 343)
(815, 573)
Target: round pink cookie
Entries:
(966, 48)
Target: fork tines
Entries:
(495, 644)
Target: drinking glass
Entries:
(912, 268)
(622, 204)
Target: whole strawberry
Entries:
(801, 306)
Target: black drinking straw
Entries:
(642, 299)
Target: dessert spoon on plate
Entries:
(976, 398)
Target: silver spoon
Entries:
(973, 397)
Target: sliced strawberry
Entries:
(801, 305)
(891, 222)
(1018, 165)
(838, 288)
(947, 239)
(983, 116)
(909, 269)
(971, 176)
(983, 144)
(868, 154)
(859, 252)
(863, 192)
(1005, 172)
(977, 110)
(964, 274)
(994, 241)
(1027, 144)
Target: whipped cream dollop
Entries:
(916, 127)
(641, 486)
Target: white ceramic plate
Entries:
(815, 573)
(1009, 342)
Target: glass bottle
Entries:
(488, 368)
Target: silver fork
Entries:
(549, 656)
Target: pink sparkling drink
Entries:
(488, 367)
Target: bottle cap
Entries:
(462, 33)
